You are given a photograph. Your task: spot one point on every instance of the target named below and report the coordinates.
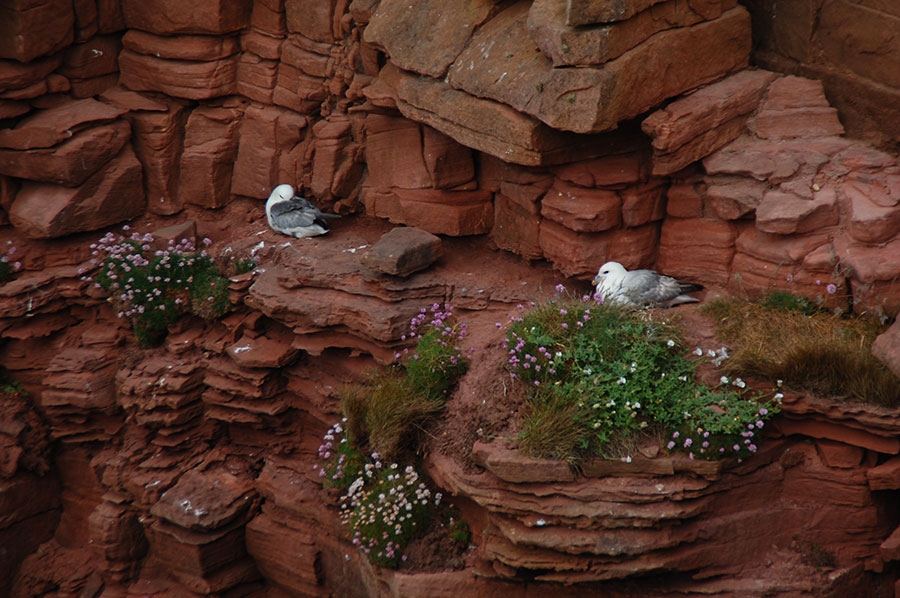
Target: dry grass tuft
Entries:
(817, 352)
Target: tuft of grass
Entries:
(600, 377)
(788, 302)
(817, 352)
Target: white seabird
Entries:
(639, 288)
(295, 216)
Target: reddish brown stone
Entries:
(800, 122)
(697, 249)
(49, 127)
(580, 254)
(169, 17)
(578, 46)
(402, 251)
(870, 222)
(585, 12)
(885, 476)
(268, 17)
(314, 19)
(732, 198)
(29, 28)
(113, 194)
(264, 130)
(394, 154)
(785, 249)
(207, 162)
(98, 56)
(397, 30)
(256, 78)
(15, 76)
(70, 163)
(201, 48)
(298, 91)
(707, 108)
(833, 431)
(584, 210)
(455, 213)
(449, 164)
(181, 79)
(611, 170)
(267, 46)
(642, 204)
(785, 213)
(516, 228)
(513, 466)
(590, 99)
(684, 201)
(698, 148)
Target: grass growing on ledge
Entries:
(810, 350)
(598, 377)
(384, 504)
(155, 287)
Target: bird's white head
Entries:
(610, 271)
(281, 193)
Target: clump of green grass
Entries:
(600, 376)
(818, 351)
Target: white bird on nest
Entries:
(639, 288)
(292, 215)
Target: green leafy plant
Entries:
(599, 376)
(155, 287)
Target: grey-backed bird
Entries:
(292, 215)
(638, 288)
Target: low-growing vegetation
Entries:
(385, 504)
(599, 378)
(784, 338)
(153, 287)
(9, 265)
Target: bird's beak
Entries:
(595, 282)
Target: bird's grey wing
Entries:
(319, 213)
(647, 287)
(293, 214)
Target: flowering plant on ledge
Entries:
(155, 287)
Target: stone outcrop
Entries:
(563, 134)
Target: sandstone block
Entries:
(886, 348)
(584, 210)
(488, 126)
(785, 213)
(454, 213)
(113, 194)
(591, 99)
(268, 17)
(881, 188)
(256, 78)
(617, 169)
(516, 229)
(294, 571)
(200, 48)
(868, 35)
(579, 46)
(69, 163)
(178, 78)
(402, 251)
(786, 249)
(800, 122)
(314, 19)
(33, 28)
(890, 548)
(49, 127)
(96, 57)
(704, 144)
(15, 76)
(394, 153)
(298, 91)
(513, 466)
(269, 351)
(732, 198)
(173, 17)
(586, 12)
(760, 161)
(707, 108)
(267, 46)
(869, 221)
(398, 31)
(684, 201)
(449, 164)
(207, 162)
(205, 500)
(264, 130)
(885, 476)
(697, 249)
(581, 253)
(645, 203)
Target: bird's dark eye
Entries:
(605, 272)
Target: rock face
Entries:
(563, 134)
